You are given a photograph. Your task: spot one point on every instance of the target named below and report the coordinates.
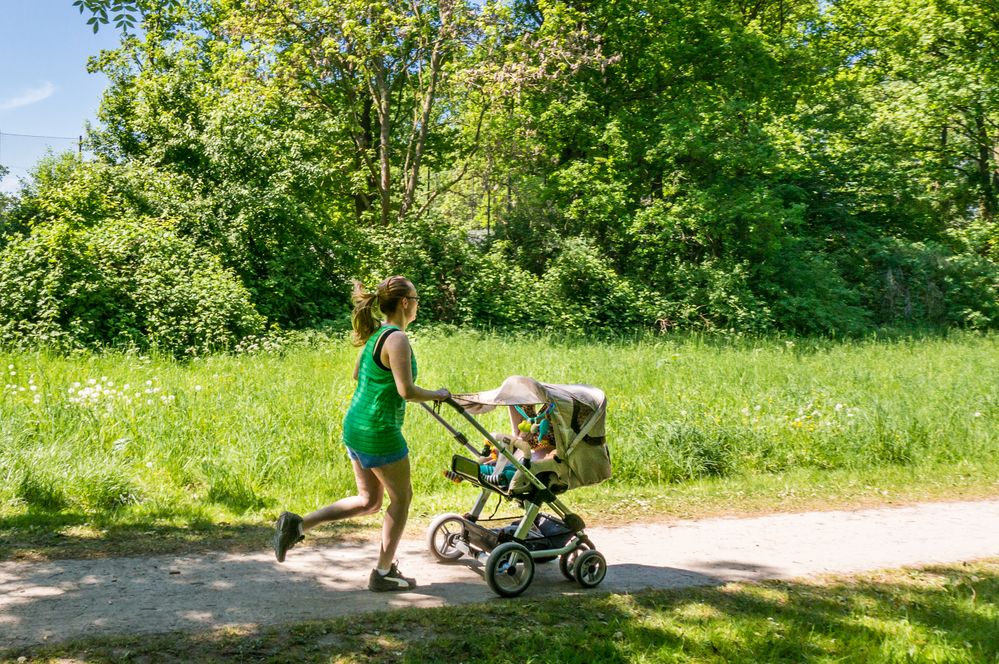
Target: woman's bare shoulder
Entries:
(397, 340)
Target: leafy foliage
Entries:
(815, 167)
(127, 283)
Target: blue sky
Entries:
(45, 89)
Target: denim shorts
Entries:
(369, 461)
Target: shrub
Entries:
(581, 291)
(292, 255)
(917, 283)
(496, 292)
(808, 294)
(712, 295)
(123, 283)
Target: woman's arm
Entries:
(357, 366)
(400, 362)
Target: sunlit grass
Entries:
(695, 426)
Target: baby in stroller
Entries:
(532, 438)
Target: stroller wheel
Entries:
(567, 561)
(590, 568)
(510, 569)
(443, 536)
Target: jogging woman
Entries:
(372, 429)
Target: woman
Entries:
(372, 429)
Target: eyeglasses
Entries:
(413, 297)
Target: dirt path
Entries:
(45, 602)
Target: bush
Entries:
(291, 255)
(712, 295)
(917, 283)
(497, 293)
(431, 253)
(123, 283)
(808, 295)
(581, 291)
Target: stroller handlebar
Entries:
(454, 404)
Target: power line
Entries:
(77, 139)
(65, 138)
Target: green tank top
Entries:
(373, 423)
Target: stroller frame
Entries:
(509, 560)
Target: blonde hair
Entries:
(387, 295)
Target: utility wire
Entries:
(65, 138)
(78, 139)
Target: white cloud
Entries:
(28, 97)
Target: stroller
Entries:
(570, 419)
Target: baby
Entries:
(532, 439)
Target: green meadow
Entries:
(120, 446)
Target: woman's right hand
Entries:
(441, 395)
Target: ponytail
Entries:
(363, 317)
(387, 295)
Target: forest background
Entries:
(809, 166)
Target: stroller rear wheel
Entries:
(590, 568)
(443, 536)
(510, 569)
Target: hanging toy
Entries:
(537, 424)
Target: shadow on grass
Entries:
(943, 613)
(52, 535)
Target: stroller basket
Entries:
(548, 532)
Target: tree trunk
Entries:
(384, 148)
(986, 168)
(361, 200)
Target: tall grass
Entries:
(236, 437)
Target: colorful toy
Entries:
(537, 424)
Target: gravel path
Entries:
(45, 602)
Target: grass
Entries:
(122, 452)
(934, 614)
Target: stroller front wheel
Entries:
(510, 569)
(590, 568)
(443, 536)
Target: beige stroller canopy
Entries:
(577, 421)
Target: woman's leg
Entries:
(367, 501)
(396, 480)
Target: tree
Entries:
(6, 202)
